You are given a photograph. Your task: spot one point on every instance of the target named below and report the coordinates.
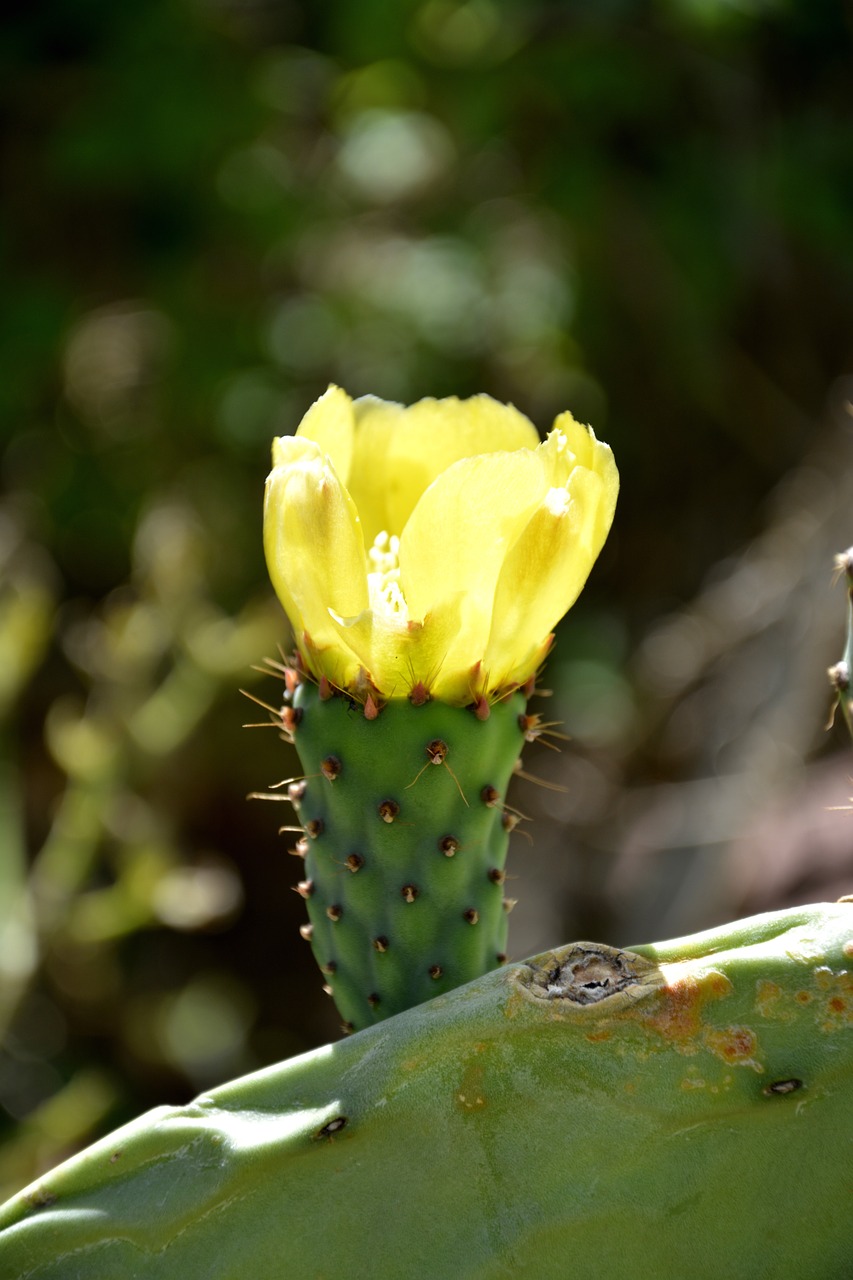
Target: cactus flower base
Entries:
(406, 830)
(684, 1109)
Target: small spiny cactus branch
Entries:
(841, 674)
(403, 828)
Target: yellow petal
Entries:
(496, 537)
(571, 447)
(570, 444)
(545, 572)
(372, 478)
(330, 423)
(400, 451)
(398, 655)
(458, 536)
(313, 542)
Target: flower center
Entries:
(383, 577)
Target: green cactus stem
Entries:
(841, 675)
(675, 1110)
(404, 837)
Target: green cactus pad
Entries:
(671, 1111)
(405, 844)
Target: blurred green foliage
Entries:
(640, 211)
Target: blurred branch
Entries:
(839, 674)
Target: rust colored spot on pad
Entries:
(736, 1045)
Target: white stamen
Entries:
(383, 577)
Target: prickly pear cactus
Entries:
(684, 1109)
(423, 556)
(405, 839)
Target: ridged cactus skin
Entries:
(405, 842)
(676, 1110)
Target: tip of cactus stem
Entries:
(295, 791)
(354, 862)
(437, 750)
(534, 728)
(844, 561)
(388, 810)
(435, 971)
(331, 768)
(839, 677)
(419, 694)
(448, 845)
(334, 912)
(306, 931)
(380, 944)
(371, 707)
(290, 718)
(410, 892)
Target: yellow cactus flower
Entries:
(433, 547)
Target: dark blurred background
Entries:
(639, 211)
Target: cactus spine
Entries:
(405, 831)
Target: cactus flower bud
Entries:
(434, 546)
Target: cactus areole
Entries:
(423, 556)
(669, 1111)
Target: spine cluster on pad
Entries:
(404, 839)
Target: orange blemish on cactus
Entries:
(676, 1013)
(770, 1002)
(835, 1011)
(735, 1045)
(676, 1016)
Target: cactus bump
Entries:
(423, 556)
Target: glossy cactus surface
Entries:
(405, 840)
(676, 1110)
